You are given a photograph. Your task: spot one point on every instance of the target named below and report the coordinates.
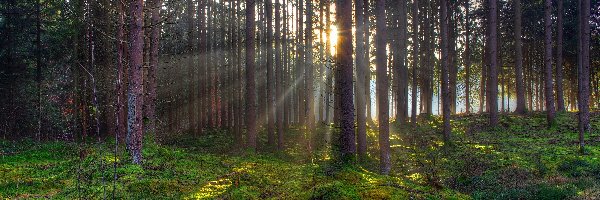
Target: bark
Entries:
(560, 99)
(121, 111)
(519, 61)
(191, 110)
(584, 72)
(492, 94)
(344, 62)
(250, 82)
(151, 82)
(367, 59)
(382, 88)
(401, 73)
(445, 18)
(135, 90)
(415, 61)
(309, 74)
(548, 86)
(361, 126)
(270, 76)
(279, 77)
(467, 57)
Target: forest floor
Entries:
(522, 159)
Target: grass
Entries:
(522, 159)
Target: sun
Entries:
(333, 38)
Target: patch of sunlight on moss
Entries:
(245, 167)
(369, 178)
(482, 147)
(111, 159)
(415, 177)
(212, 189)
(439, 143)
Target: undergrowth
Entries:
(521, 159)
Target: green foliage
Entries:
(521, 160)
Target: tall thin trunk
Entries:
(361, 126)
(250, 82)
(519, 61)
(135, 90)
(279, 77)
(467, 57)
(415, 61)
(492, 96)
(548, 86)
(560, 99)
(367, 54)
(191, 110)
(445, 70)
(151, 82)
(344, 62)
(308, 74)
(270, 77)
(583, 71)
(382, 89)
(401, 73)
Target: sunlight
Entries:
(333, 37)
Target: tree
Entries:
(270, 76)
(344, 65)
(467, 57)
(560, 99)
(492, 89)
(401, 69)
(361, 125)
(548, 86)
(382, 88)
(415, 61)
(520, 109)
(279, 77)
(309, 74)
(445, 69)
(250, 83)
(583, 71)
(135, 90)
(151, 82)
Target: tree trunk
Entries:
(519, 61)
(467, 57)
(250, 82)
(401, 73)
(560, 99)
(361, 126)
(270, 76)
(151, 82)
(135, 90)
(549, 94)
(584, 72)
(344, 61)
(382, 88)
(445, 18)
(415, 61)
(492, 96)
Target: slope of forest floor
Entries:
(521, 159)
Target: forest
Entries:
(300, 99)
